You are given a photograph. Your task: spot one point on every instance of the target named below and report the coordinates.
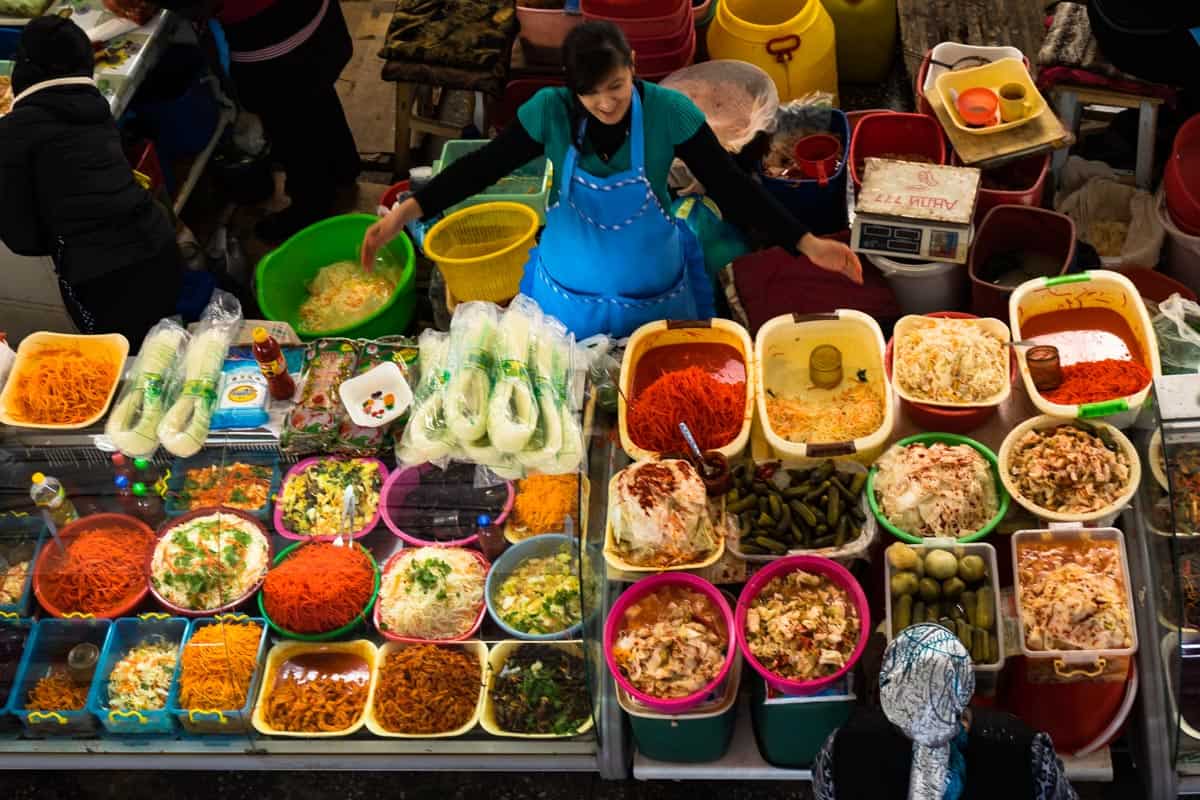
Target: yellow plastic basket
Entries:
(482, 250)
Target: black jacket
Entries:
(67, 190)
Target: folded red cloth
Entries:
(772, 282)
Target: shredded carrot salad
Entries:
(713, 410)
(100, 570)
(242, 486)
(320, 587)
(55, 691)
(543, 504)
(427, 688)
(218, 665)
(62, 386)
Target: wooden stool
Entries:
(1070, 102)
(416, 112)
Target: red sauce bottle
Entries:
(271, 361)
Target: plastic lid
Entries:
(139, 489)
(141, 463)
(260, 335)
(38, 477)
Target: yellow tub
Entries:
(281, 652)
(793, 41)
(614, 559)
(781, 352)
(1092, 289)
(496, 660)
(474, 647)
(663, 332)
(109, 348)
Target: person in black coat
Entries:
(68, 191)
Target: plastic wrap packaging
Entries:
(184, 428)
(243, 395)
(1177, 328)
(318, 412)
(351, 439)
(132, 426)
(427, 438)
(472, 338)
(513, 408)
(739, 101)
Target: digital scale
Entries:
(920, 211)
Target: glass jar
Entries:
(825, 366)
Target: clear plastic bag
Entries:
(132, 426)
(472, 338)
(1177, 327)
(1106, 211)
(513, 408)
(427, 438)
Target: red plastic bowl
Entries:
(383, 576)
(404, 480)
(1181, 179)
(640, 589)
(640, 19)
(389, 197)
(822, 566)
(656, 66)
(188, 517)
(894, 133)
(68, 533)
(947, 419)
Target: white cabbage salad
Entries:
(432, 593)
(950, 361)
(939, 490)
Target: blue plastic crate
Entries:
(48, 646)
(223, 456)
(128, 633)
(222, 722)
(8, 681)
(20, 531)
(821, 208)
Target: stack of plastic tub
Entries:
(544, 29)
(661, 32)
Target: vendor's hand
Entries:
(386, 229)
(832, 256)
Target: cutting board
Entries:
(1041, 134)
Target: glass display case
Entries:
(109, 733)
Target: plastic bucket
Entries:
(643, 588)
(641, 19)
(924, 286)
(1183, 250)
(823, 208)
(516, 93)
(1153, 285)
(656, 66)
(790, 731)
(840, 577)
(1181, 178)
(895, 135)
(1020, 183)
(544, 29)
(283, 274)
(1004, 229)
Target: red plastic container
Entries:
(1020, 183)
(640, 19)
(389, 197)
(855, 117)
(543, 31)
(516, 94)
(1181, 179)
(1075, 712)
(1153, 285)
(895, 134)
(656, 66)
(811, 564)
(943, 418)
(1008, 228)
(645, 586)
(655, 45)
(67, 534)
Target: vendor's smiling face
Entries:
(610, 99)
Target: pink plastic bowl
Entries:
(948, 419)
(393, 563)
(819, 566)
(305, 464)
(403, 481)
(645, 586)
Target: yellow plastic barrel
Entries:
(866, 38)
(792, 40)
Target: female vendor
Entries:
(612, 257)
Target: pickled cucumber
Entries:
(985, 615)
(929, 589)
(904, 583)
(902, 613)
(972, 569)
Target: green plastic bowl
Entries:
(949, 439)
(284, 273)
(328, 635)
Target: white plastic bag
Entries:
(1177, 327)
(1091, 195)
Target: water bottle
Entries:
(48, 494)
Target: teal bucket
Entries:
(283, 275)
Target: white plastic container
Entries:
(788, 340)
(952, 52)
(1183, 250)
(1092, 289)
(992, 327)
(496, 661)
(474, 648)
(1101, 517)
(1069, 534)
(922, 287)
(359, 393)
(974, 548)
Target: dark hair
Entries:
(51, 47)
(590, 54)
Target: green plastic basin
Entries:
(284, 273)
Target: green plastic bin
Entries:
(284, 273)
(530, 185)
(791, 730)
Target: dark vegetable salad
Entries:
(541, 689)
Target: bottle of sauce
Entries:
(1044, 367)
(273, 365)
(491, 537)
(48, 494)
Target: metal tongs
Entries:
(349, 506)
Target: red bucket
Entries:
(895, 135)
(1008, 228)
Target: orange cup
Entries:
(977, 107)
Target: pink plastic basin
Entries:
(391, 564)
(397, 487)
(286, 533)
(636, 592)
(812, 564)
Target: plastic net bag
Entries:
(1177, 328)
(1119, 221)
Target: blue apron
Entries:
(611, 258)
